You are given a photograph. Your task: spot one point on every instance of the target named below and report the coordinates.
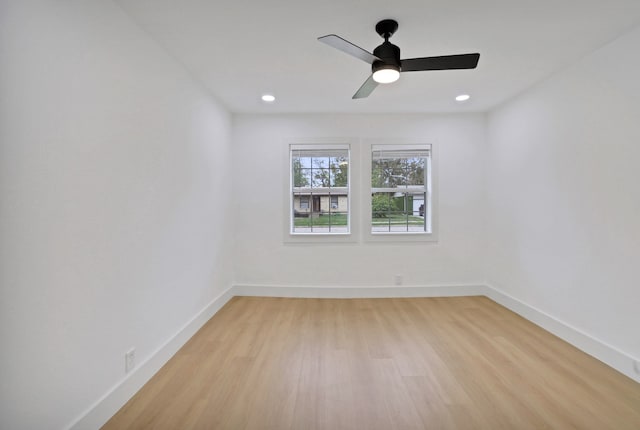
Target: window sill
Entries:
(400, 236)
(315, 238)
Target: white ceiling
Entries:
(241, 49)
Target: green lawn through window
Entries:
(398, 219)
(341, 220)
(323, 220)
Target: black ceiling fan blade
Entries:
(348, 47)
(444, 62)
(366, 88)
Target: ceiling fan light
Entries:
(386, 75)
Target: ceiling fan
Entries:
(385, 61)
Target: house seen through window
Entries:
(400, 189)
(319, 189)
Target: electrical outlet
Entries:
(398, 279)
(129, 360)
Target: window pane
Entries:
(301, 176)
(320, 162)
(415, 171)
(399, 198)
(303, 161)
(339, 161)
(397, 212)
(321, 177)
(339, 171)
(301, 212)
(397, 175)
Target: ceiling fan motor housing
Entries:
(389, 55)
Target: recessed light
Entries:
(269, 98)
(463, 97)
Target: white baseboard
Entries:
(336, 292)
(609, 355)
(100, 412)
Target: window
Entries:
(319, 189)
(400, 189)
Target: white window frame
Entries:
(319, 237)
(430, 187)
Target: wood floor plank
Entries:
(407, 363)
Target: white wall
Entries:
(262, 256)
(114, 214)
(564, 196)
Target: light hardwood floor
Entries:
(418, 363)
